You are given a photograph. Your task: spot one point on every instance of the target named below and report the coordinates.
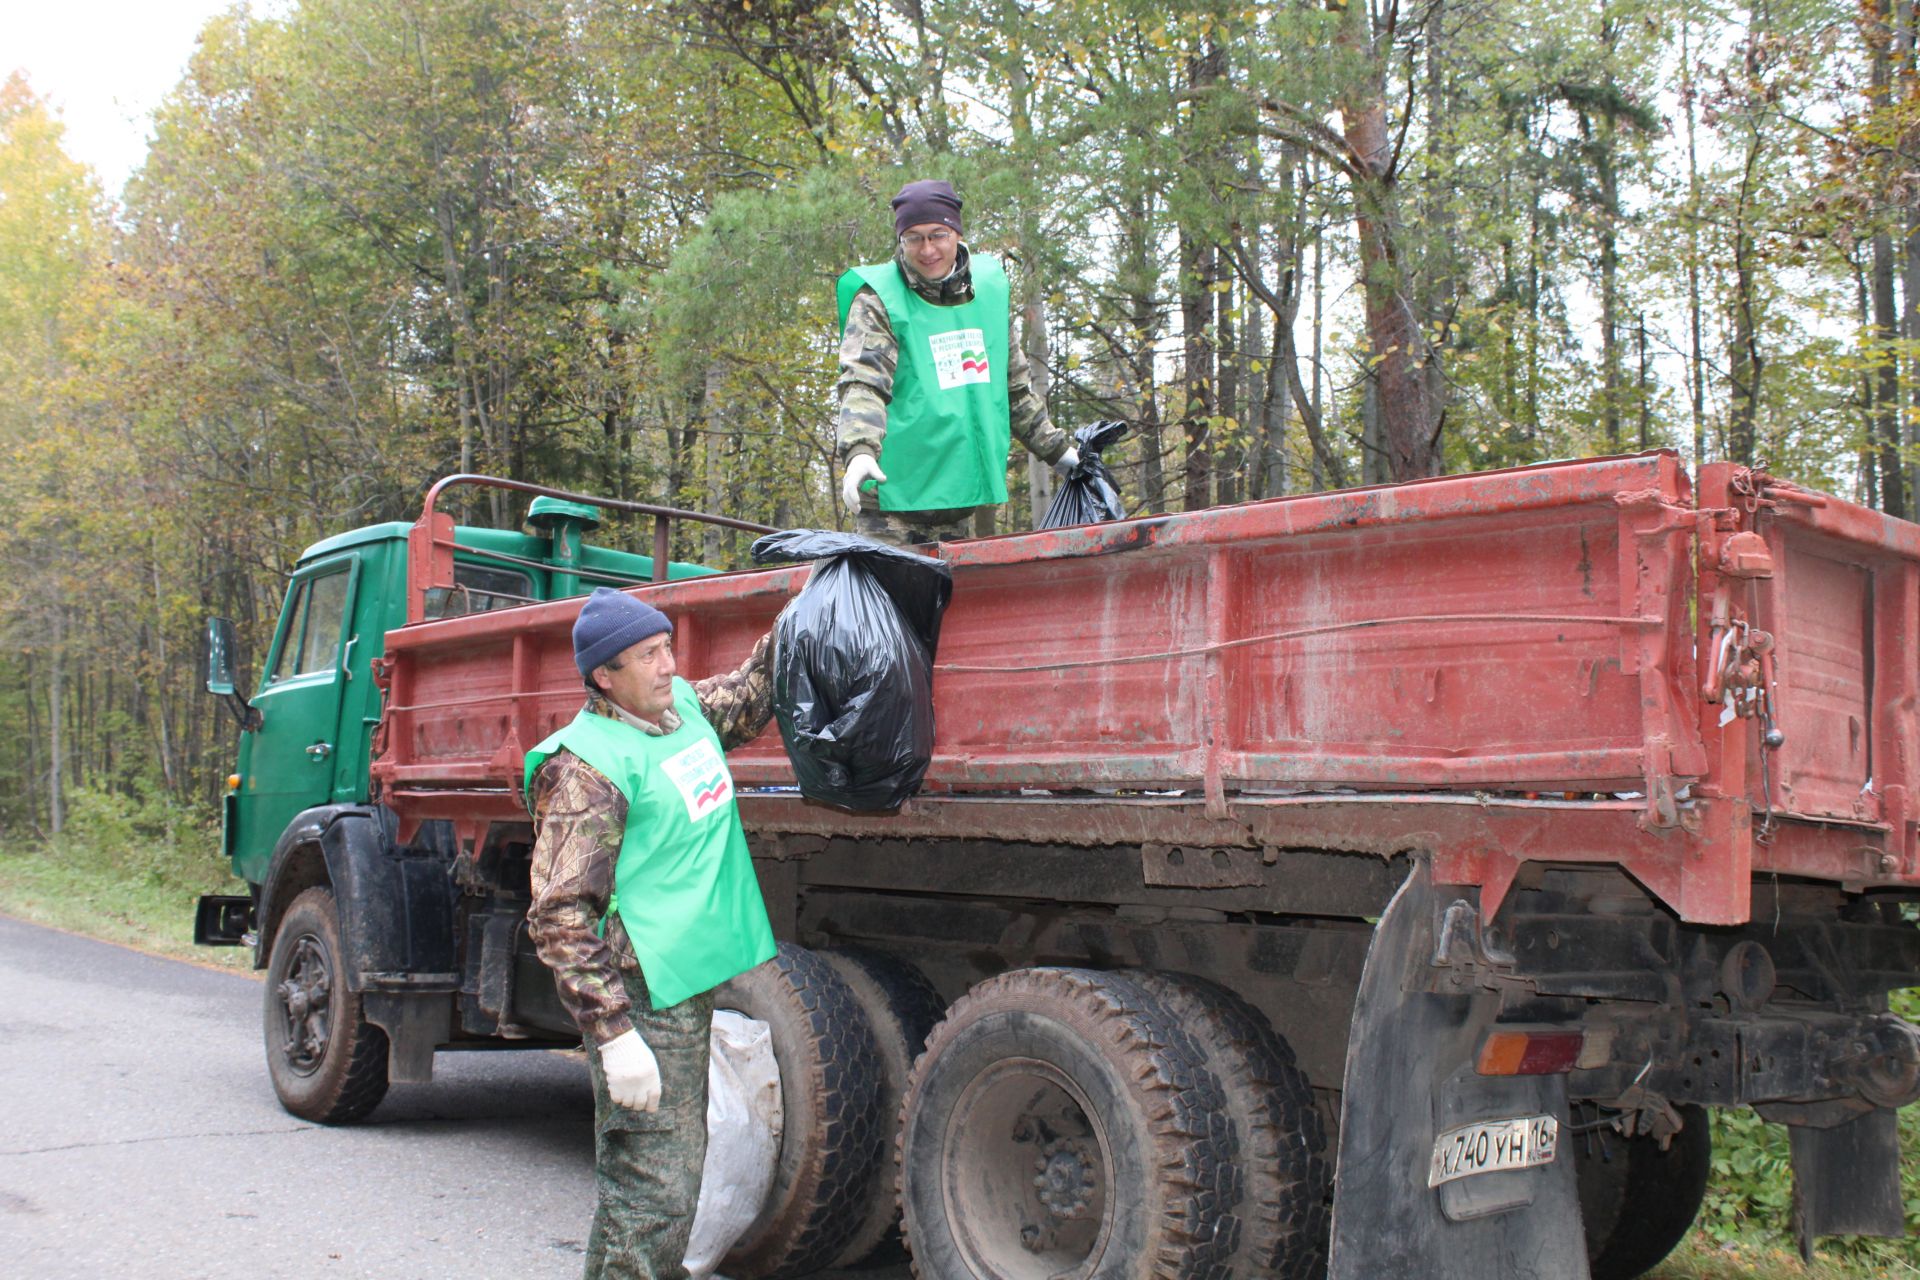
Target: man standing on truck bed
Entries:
(933, 383)
(638, 828)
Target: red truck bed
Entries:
(1497, 667)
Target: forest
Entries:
(591, 243)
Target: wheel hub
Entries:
(1065, 1175)
(305, 997)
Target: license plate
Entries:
(1493, 1145)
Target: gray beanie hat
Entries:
(611, 622)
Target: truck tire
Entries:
(1060, 1124)
(1285, 1207)
(902, 1007)
(831, 1140)
(328, 1063)
(1637, 1202)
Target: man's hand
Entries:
(633, 1077)
(1067, 461)
(863, 468)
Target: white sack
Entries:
(743, 1138)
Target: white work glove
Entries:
(1067, 462)
(633, 1077)
(863, 468)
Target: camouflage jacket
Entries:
(869, 353)
(581, 818)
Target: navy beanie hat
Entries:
(929, 200)
(610, 622)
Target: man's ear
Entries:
(602, 680)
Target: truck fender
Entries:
(297, 864)
(1410, 1077)
(396, 905)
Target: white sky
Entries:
(105, 65)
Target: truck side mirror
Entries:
(220, 646)
(220, 657)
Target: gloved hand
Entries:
(633, 1076)
(1067, 462)
(863, 468)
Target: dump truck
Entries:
(1369, 883)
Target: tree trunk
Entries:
(1197, 274)
(33, 744)
(1410, 430)
(1138, 273)
(1696, 353)
(1039, 352)
(1231, 451)
(1869, 482)
(1196, 382)
(56, 748)
(1323, 469)
(1605, 163)
(1439, 286)
(1910, 315)
(1886, 316)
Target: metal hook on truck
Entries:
(1377, 882)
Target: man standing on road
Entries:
(638, 828)
(933, 383)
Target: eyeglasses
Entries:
(912, 240)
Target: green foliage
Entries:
(139, 836)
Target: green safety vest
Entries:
(684, 883)
(948, 428)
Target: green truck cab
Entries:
(308, 739)
(376, 949)
(316, 707)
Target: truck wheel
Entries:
(328, 1063)
(831, 1140)
(1284, 1209)
(901, 1006)
(1060, 1124)
(1638, 1202)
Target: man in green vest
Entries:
(933, 383)
(644, 901)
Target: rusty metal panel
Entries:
(1824, 665)
(1459, 642)
(1522, 691)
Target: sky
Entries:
(104, 65)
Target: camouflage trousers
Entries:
(915, 528)
(647, 1165)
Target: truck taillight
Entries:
(233, 782)
(1530, 1053)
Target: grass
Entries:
(125, 870)
(129, 871)
(1702, 1258)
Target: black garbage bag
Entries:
(853, 666)
(1088, 495)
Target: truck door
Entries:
(288, 762)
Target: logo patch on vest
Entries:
(701, 777)
(959, 357)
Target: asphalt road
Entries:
(139, 1137)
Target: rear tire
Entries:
(902, 1007)
(830, 1146)
(328, 1063)
(1061, 1126)
(1638, 1202)
(1285, 1211)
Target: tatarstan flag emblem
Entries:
(959, 357)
